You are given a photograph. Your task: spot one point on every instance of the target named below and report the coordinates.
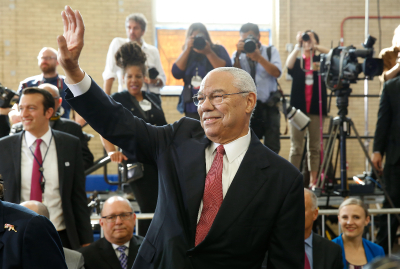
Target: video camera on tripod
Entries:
(340, 68)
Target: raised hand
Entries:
(70, 44)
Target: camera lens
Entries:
(250, 44)
(305, 37)
(199, 42)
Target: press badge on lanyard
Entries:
(196, 80)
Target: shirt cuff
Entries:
(81, 87)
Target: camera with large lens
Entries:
(199, 42)
(153, 73)
(297, 118)
(250, 44)
(7, 99)
(305, 37)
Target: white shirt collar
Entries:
(30, 138)
(144, 44)
(115, 246)
(234, 148)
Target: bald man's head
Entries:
(54, 91)
(37, 207)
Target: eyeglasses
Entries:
(113, 218)
(48, 58)
(214, 98)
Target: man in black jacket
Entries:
(387, 141)
(63, 125)
(321, 253)
(119, 247)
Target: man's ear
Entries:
(49, 113)
(251, 102)
(60, 100)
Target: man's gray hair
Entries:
(241, 79)
(314, 200)
(139, 18)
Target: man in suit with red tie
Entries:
(320, 253)
(224, 198)
(46, 165)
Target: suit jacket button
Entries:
(132, 109)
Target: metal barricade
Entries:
(372, 212)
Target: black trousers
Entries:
(64, 239)
(391, 179)
(145, 190)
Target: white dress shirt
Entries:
(233, 157)
(119, 252)
(153, 60)
(51, 195)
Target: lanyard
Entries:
(41, 169)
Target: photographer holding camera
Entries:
(305, 96)
(135, 28)
(263, 63)
(199, 56)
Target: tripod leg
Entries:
(328, 148)
(327, 160)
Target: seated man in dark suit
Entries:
(73, 258)
(63, 125)
(28, 240)
(320, 252)
(119, 247)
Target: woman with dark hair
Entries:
(356, 251)
(146, 106)
(194, 63)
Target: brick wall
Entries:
(27, 26)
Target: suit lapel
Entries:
(193, 170)
(60, 148)
(16, 155)
(133, 250)
(108, 253)
(318, 255)
(245, 185)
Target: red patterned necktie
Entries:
(212, 196)
(36, 190)
(306, 262)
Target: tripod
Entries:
(341, 128)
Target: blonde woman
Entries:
(356, 251)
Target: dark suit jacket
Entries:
(101, 254)
(36, 243)
(69, 127)
(71, 178)
(387, 134)
(326, 254)
(262, 210)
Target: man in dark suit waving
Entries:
(224, 198)
(46, 165)
(320, 252)
(119, 247)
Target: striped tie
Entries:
(123, 259)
